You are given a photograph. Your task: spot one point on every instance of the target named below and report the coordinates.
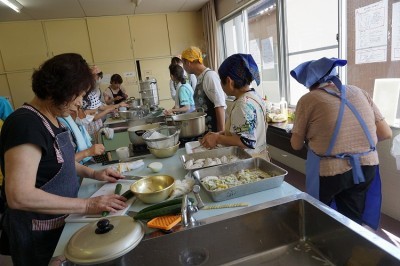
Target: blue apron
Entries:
(32, 237)
(372, 210)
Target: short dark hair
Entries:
(62, 78)
(177, 72)
(237, 83)
(116, 78)
(176, 61)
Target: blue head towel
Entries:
(239, 66)
(321, 70)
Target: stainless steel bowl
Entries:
(153, 189)
(161, 138)
(165, 152)
(135, 133)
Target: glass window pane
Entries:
(234, 36)
(311, 29)
(296, 89)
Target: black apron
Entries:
(119, 93)
(32, 237)
(201, 100)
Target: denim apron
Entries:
(372, 210)
(201, 100)
(32, 237)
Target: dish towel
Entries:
(107, 132)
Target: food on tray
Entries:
(199, 163)
(277, 118)
(126, 167)
(215, 183)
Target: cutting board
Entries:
(106, 189)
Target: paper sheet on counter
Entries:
(106, 189)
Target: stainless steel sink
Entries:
(296, 230)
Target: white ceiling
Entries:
(59, 9)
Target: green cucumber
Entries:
(128, 194)
(164, 204)
(118, 188)
(171, 209)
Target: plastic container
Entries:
(283, 106)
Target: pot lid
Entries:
(104, 240)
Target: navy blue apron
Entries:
(32, 237)
(372, 210)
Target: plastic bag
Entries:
(395, 150)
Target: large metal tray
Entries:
(238, 191)
(214, 153)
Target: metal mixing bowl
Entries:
(164, 152)
(153, 189)
(163, 137)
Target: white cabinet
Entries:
(110, 38)
(23, 45)
(149, 35)
(185, 29)
(68, 36)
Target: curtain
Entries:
(210, 34)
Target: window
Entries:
(255, 30)
(309, 37)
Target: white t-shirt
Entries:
(212, 87)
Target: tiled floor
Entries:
(389, 228)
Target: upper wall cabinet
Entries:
(185, 29)
(22, 45)
(149, 35)
(68, 36)
(110, 38)
(20, 87)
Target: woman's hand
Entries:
(210, 140)
(108, 174)
(97, 149)
(110, 203)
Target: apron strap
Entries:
(60, 159)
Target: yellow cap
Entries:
(192, 54)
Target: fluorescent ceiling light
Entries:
(11, 5)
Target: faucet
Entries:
(188, 209)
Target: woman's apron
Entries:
(372, 210)
(115, 95)
(260, 151)
(32, 237)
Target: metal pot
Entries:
(149, 92)
(191, 124)
(133, 102)
(135, 133)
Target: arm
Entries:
(212, 139)
(220, 114)
(296, 141)
(383, 130)
(23, 195)
(96, 149)
(108, 99)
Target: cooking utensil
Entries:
(135, 133)
(153, 189)
(191, 124)
(162, 137)
(104, 240)
(133, 177)
(164, 152)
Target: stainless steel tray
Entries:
(214, 153)
(245, 189)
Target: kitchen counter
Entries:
(171, 166)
